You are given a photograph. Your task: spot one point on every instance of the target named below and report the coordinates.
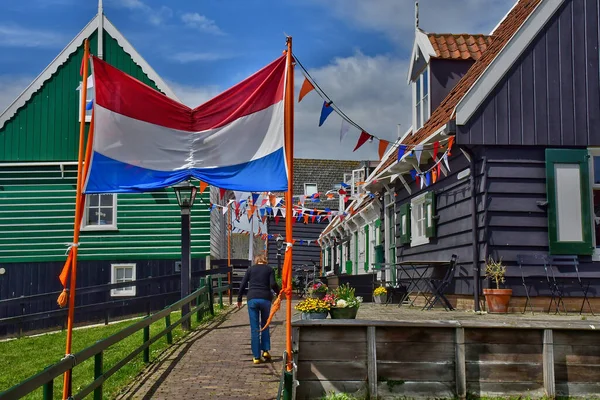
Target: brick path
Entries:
(215, 362)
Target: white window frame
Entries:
(593, 152)
(89, 96)
(84, 221)
(419, 120)
(415, 203)
(389, 227)
(126, 291)
(310, 184)
(358, 175)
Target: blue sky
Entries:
(357, 50)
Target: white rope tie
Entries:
(288, 246)
(70, 246)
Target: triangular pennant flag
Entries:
(272, 200)
(450, 143)
(302, 200)
(383, 145)
(422, 180)
(417, 179)
(445, 158)
(222, 192)
(277, 220)
(344, 129)
(306, 88)
(255, 198)
(225, 210)
(418, 151)
(439, 168)
(203, 186)
(306, 216)
(325, 111)
(413, 174)
(436, 147)
(283, 212)
(427, 179)
(401, 151)
(238, 196)
(89, 105)
(434, 175)
(362, 139)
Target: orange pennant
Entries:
(307, 87)
(203, 186)
(383, 144)
(450, 143)
(434, 175)
(306, 216)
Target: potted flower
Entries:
(312, 308)
(318, 290)
(343, 302)
(497, 299)
(380, 295)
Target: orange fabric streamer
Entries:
(64, 275)
(286, 288)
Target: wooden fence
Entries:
(447, 359)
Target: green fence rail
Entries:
(204, 302)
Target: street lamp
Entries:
(279, 255)
(186, 194)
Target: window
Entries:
(418, 217)
(358, 176)
(100, 212)
(310, 189)
(595, 179)
(89, 97)
(417, 220)
(390, 231)
(122, 273)
(569, 211)
(421, 99)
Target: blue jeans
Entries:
(258, 311)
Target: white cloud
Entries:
(153, 16)
(10, 88)
(193, 96)
(12, 35)
(190, 56)
(202, 23)
(396, 18)
(369, 90)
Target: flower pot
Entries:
(497, 299)
(380, 299)
(343, 313)
(313, 315)
(318, 295)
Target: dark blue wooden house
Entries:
(522, 109)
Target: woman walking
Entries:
(261, 284)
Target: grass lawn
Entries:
(22, 358)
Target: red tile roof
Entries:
(444, 112)
(459, 46)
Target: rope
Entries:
(70, 246)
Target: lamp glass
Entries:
(185, 195)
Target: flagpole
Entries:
(78, 210)
(289, 147)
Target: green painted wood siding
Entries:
(46, 128)
(37, 208)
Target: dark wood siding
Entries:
(550, 96)
(454, 226)
(445, 74)
(26, 279)
(304, 253)
(516, 182)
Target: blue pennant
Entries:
(401, 151)
(325, 111)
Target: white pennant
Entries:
(393, 178)
(283, 212)
(446, 161)
(418, 151)
(422, 179)
(344, 129)
(238, 196)
(302, 200)
(225, 210)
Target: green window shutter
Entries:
(430, 215)
(568, 190)
(404, 223)
(378, 230)
(367, 245)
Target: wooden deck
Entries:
(394, 352)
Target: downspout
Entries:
(474, 226)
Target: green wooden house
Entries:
(123, 237)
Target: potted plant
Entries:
(312, 308)
(497, 299)
(343, 302)
(380, 295)
(318, 290)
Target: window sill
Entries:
(122, 294)
(99, 228)
(419, 241)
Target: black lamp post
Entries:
(279, 255)
(186, 194)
